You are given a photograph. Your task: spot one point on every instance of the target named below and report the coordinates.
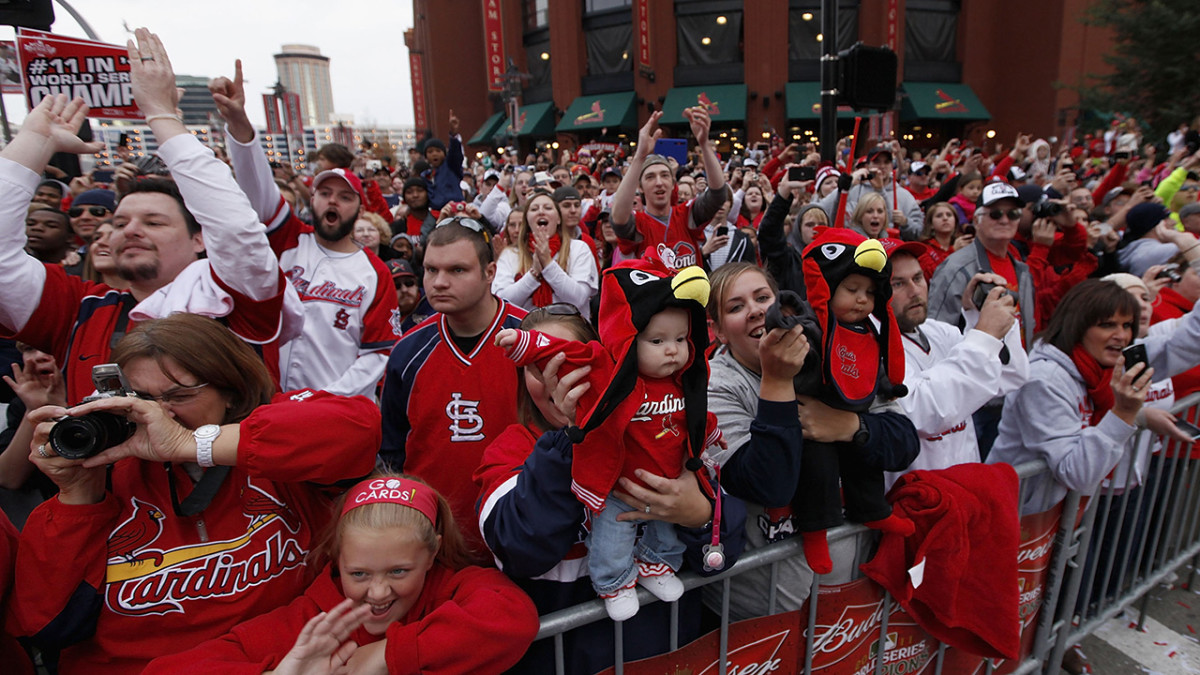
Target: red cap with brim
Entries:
(351, 180)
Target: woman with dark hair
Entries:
(536, 527)
(209, 509)
(1080, 406)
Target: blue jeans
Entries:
(613, 546)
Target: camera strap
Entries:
(202, 494)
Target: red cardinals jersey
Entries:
(677, 244)
(120, 582)
(441, 407)
(76, 321)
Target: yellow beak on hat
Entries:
(691, 283)
(871, 255)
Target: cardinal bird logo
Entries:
(596, 115)
(948, 104)
(709, 104)
(258, 505)
(138, 531)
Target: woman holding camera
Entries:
(204, 517)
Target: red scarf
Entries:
(544, 295)
(1097, 379)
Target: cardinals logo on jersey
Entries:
(144, 582)
(137, 532)
(466, 424)
(681, 256)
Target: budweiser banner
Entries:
(770, 644)
(94, 71)
(493, 45)
(846, 638)
(642, 14)
(418, 90)
(271, 106)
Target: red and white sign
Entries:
(770, 644)
(94, 71)
(493, 45)
(416, 69)
(642, 14)
(271, 106)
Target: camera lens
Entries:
(82, 437)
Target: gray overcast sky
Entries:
(364, 40)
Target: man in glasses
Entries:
(996, 220)
(449, 391)
(411, 306)
(89, 210)
(347, 292)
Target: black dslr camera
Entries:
(1047, 209)
(97, 431)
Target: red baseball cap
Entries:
(914, 248)
(349, 177)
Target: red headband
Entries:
(393, 491)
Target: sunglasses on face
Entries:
(97, 211)
(407, 282)
(997, 214)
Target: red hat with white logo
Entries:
(349, 177)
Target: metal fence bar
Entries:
(1172, 503)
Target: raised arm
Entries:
(250, 165)
(622, 203)
(234, 239)
(49, 128)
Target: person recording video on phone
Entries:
(905, 212)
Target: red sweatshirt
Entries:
(471, 621)
(120, 582)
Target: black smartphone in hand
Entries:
(800, 174)
(1135, 354)
(1188, 428)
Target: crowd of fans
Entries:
(282, 337)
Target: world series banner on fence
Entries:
(96, 72)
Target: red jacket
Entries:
(1057, 269)
(471, 621)
(120, 582)
(1170, 305)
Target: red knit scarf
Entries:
(544, 295)
(1097, 379)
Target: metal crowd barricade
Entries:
(1090, 579)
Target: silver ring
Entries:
(41, 450)
(147, 58)
(647, 508)
(1137, 389)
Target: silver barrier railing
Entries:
(1065, 617)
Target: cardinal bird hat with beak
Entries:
(852, 354)
(632, 292)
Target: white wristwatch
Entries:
(205, 436)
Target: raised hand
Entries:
(152, 76)
(323, 646)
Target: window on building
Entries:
(805, 39)
(931, 41)
(610, 49)
(708, 41)
(598, 6)
(537, 14)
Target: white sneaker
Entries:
(666, 586)
(621, 605)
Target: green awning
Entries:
(614, 111)
(725, 103)
(535, 119)
(941, 100)
(487, 132)
(803, 102)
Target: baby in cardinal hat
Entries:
(646, 409)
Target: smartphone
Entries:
(1188, 428)
(1122, 155)
(102, 176)
(800, 174)
(722, 230)
(969, 229)
(1135, 354)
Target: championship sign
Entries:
(96, 72)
